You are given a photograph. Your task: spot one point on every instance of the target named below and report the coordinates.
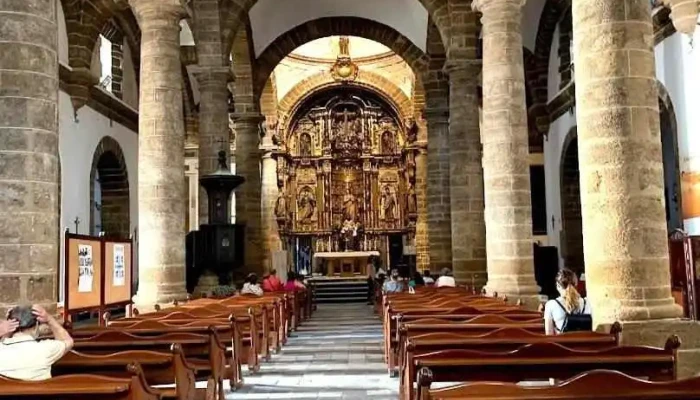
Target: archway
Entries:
(109, 191)
(670, 155)
(571, 246)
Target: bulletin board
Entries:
(118, 273)
(84, 268)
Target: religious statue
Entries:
(307, 205)
(281, 206)
(388, 204)
(411, 131)
(305, 145)
(411, 203)
(347, 131)
(388, 143)
(349, 206)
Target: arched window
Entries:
(109, 191)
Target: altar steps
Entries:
(339, 290)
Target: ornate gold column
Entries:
(508, 209)
(161, 154)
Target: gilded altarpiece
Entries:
(346, 173)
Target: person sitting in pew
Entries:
(427, 278)
(272, 283)
(568, 312)
(393, 285)
(251, 286)
(445, 279)
(24, 357)
(293, 283)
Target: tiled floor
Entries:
(335, 355)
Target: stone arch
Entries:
(350, 26)
(234, 16)
(109, 169)
(570, 191)
(671, 159)
(393, 94)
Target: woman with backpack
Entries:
(569, 312)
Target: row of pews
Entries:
(165, 353)
(486, 347)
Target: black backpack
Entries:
(575, 322)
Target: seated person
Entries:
(445, 279)
(393, 285)
(569, 302)
(291, 285)
(427, 278)
(251, 286)
(271, 283)
(24, 357)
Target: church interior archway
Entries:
(669, 149)
(109, 191)
(572, 228)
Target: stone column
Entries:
(466, 175)
(270, 236)
(422, 238)
(508, 209)
(161, 172)
(249, 195)
(29, 164)
(438, 190)
(214, 134)
(622, 186)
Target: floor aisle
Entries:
(337, 354)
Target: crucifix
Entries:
(221, 143)
(76, 221)
(345, 114)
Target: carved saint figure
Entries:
(388, 143)
(411, 203)
(388, 203)
(307, 205)
(305, 145)
(281, 206)
(349, 206)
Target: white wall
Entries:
(77, 144)
(678, 68)
(532, 11)
(270, 19)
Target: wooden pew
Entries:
(159, 368)
(203, 350)
(477, 324)
(499, 340)
(80, 387)
(541, 361)
(591, 385)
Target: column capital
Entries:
(470, 67)
(171, 11)
(248, 117)
(207, 76)
(484, 6)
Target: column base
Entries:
(148, 297)
(206, 285)
(656, 332)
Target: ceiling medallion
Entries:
(344, 69)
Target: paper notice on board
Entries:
(85, 268)
(119, 270)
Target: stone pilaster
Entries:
(270, 236)
(508, 209)
(438, 190)
(422, 238)
(249, 195)
(214, 134)
(29, 165)
(466, 175)
(622, 186)
(161, 170)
